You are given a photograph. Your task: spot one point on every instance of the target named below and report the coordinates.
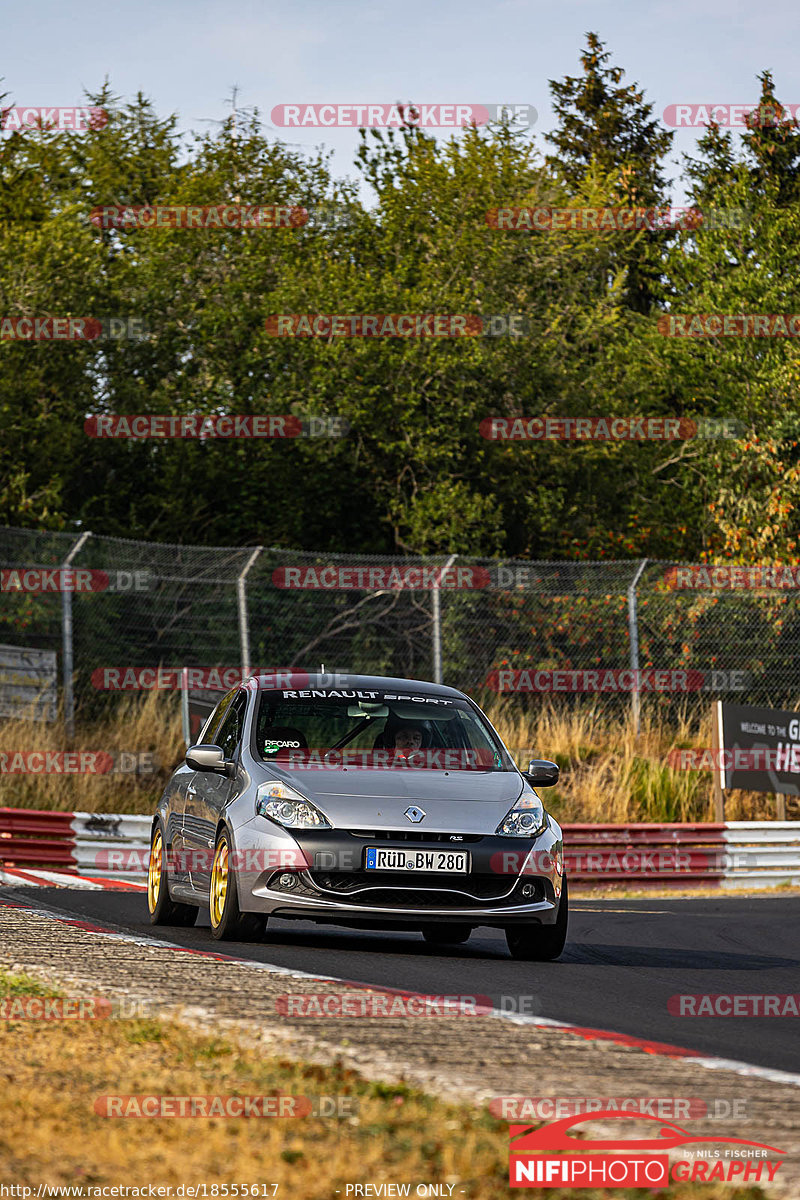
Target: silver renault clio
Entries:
(362, 801)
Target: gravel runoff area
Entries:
(466, 1059)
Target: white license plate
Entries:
(446, 862)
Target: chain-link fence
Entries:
(612, 630)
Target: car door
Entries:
(178, 862)
(208, 793)
(188, 839)
(181, 783)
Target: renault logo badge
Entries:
(414, 814)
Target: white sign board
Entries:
(27, 683)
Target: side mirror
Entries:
(541, 772)
(207, 758)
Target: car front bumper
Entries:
(511, 880)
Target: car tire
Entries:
(228, 922)
(447, 935)
(162, 909)
(541, 943)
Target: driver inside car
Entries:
(408, 738)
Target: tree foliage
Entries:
(414, 473)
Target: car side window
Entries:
(209, 734)
(230, 733)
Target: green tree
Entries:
(610, 150)
(772, 145)
(603, 122)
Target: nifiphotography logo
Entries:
(548, 1157)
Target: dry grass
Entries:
(149, 724)
(50, 1133)
(612, 775)
(609, 774)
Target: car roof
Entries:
(296, 680)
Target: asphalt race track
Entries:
(623, 960)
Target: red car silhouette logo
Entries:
(525, 1139)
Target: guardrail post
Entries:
(633, 634)
(244, 627)
(437, 621)
(66, 641)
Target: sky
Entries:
(188, 56)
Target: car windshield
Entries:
(376, 729)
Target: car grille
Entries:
(415, 835)
(437, 891)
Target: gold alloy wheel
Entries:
(219, 883)
(154, 871)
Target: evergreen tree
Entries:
(606, 131)
(772, 145)
(605, 122)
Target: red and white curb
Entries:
(38, 878)
(645, 1045)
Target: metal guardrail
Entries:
(763, 853)
(737, 854)
(646, 854)
(49, 842)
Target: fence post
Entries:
(633, 635)
(718, 776)
(437, 621)
(244, 628)
(66, 642)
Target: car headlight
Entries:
(283, 804)
(526, 819)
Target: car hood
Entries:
(461, 801)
